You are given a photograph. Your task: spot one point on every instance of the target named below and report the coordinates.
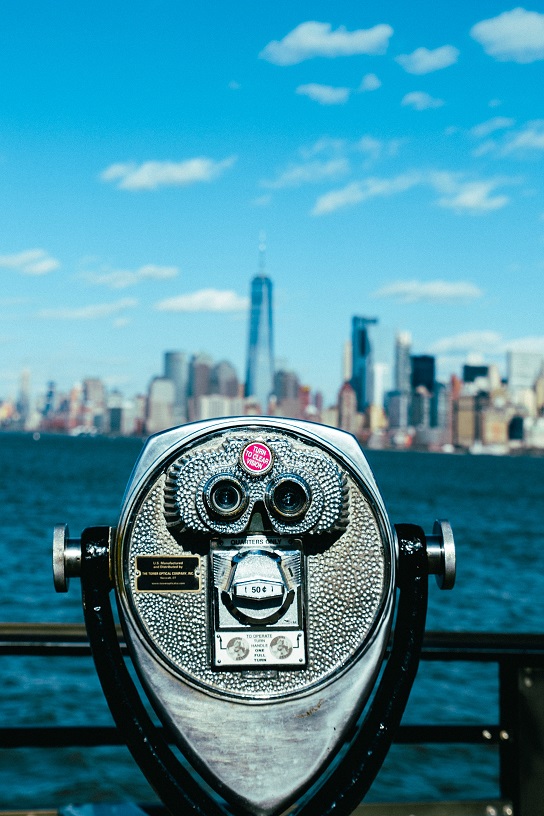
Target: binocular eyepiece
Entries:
(257, 577)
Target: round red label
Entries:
(257, 458)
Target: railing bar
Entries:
(71, 640)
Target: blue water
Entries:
(495, 505)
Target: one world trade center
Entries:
(260, 358)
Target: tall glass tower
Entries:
(260, 358)
(361, 377)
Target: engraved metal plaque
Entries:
(167, 573)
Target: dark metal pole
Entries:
(174, 783)
(353, 775)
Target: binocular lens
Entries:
(289, 498)
(225, 497)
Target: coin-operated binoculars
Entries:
(257, 579)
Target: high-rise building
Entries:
(523, 369)
(347, 408)
(286, 385)
(224, 380)
(423, 372)
(176, 369)
(94, 403)
(471, 373)
(23, 401)
(200, 370)
(260, 358)
(379, 375)
(160, 405)
(403, 365)
(361, 350)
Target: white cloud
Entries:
(530, 138)
(424, 61)
(491, 125)
(324, 94)
(484, 148)
(122, 278)
(205, 300)
(370, 82)
(516, 36)
(314, 39)
(234, 86)
(359, 191)
(153, 174)
(30, 262)
(262, 201)
(421, 100)
(533, 345)
(472, 196)
(337, 199)
(429, 291)
(310, 172)
(324, 145)
(92, 312)
(378, 147)
(370, 145)
(456, 193)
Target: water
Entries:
(494, 505)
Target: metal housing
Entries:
(250, 729)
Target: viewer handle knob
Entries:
(441, 554)
(66, 557)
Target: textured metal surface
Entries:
(235, 725)
(346, 582)
(187, 477)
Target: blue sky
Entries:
(392, 153)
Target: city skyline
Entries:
(140, 159)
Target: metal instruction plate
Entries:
(252, 648)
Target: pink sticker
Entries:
(257, 458)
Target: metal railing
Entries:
(519, 732)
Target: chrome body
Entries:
(257, 693)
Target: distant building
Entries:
(348, 419)
(523, 369)
(397, 407)
(379, 374)
(329, 416)
(420, 408)
(177, 370)
(224, 380)
(286, 385)
(403, 365)
(474, 372)
(23, 401)
(362, 361)
(200, 370)
(160, 405)
(423, 372)
(260, 357)
(94, 404)
(212, 406)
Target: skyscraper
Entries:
(176, 369)
(403, 365)
(361, 377)
(260, 358)
(423, 372)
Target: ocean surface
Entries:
(495, 506)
